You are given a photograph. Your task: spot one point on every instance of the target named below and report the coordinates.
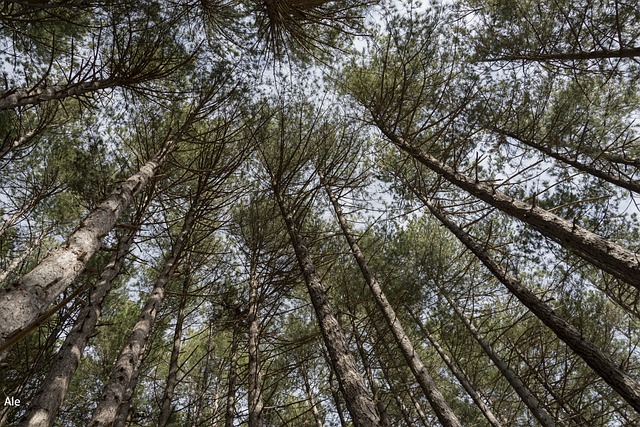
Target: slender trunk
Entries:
(172, 376)
(626, 386)
(461, 376)
(230, 409)
(29, 297)
(630, 52)
(124, 410)
(21, 97)
(368, 371)
(129, 359)
(312, 401)
(44, 407)
(624, 183)
(256, 405)
(16, 216)
(427, 384)
(202, 384)
(336, 399)
(408, 421)
(527, 397)
(574, 415)
(359, 402)
(614, 259)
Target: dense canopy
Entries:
(319, 213)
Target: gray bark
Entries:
(44, 407)
(256, 405)
(21, 97)
(611, 257)
(172, 376)
(359, 402)
(626, 386)
(29, 297)
(130, 357)
(427, 384)
(540, 414)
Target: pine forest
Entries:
(316, 213)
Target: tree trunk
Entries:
(612, 258)
(631, 52)
(527, 397)
(129, 359)
(172, 377)
(230, 410)
(44, 407)
(21, 97)
(359, 402)
(626, 386)
(623, 183)
(427, 384)
(461, 376)
(256, 417)
(29, 297)
(23, 256)
(312, 401)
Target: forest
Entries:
(349, 213)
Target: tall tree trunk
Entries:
(172, 376)
(460, 375)
(623, 183)
(230, 409)
(336, 396)
(611, 257)
(44, 407)
(427, 384)
(256, 417)
(312, 401)
(359, 402)
(525, 394)
(626, 386)
(129, 359)
(27, 298)
(20, 97)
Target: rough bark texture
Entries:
(620, 381)
(359, 402)
(463, 379)
(44, 407)
(172, 376)
(29, 297)
(427, 384)
(21, 97)
(540, 414)
(130, 357)
(256, 406)
(611, 257)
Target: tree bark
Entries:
(359, 402)
(631, 52)
(461, 376)
(129, 359)
(230, 409)
(29, 297)
(23, 256)
(427, 384)
(256, 405)
(611, 257)
(623, 183)
(626, 386)
(172, 376)
(44, 407)
(21, 97)
(540, 414)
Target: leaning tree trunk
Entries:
(460, 375)
(610, 257)
(230, 408)
(174, 367)
(427, 384)
(44, 407)
(256, 416)
(359, 402)
(540, 414)
(20, 97)
(129, 359)
(626, 386)
(27, 298)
